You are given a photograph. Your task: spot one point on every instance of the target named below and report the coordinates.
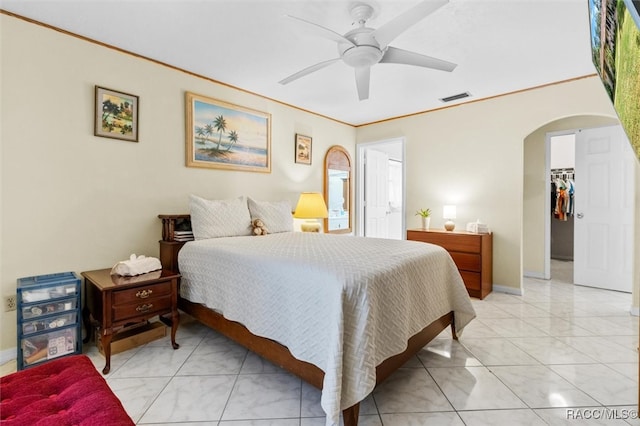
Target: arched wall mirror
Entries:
(337, 190)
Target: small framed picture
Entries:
(116, 115)
(303, 149)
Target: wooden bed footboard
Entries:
(266, 348)
(280, 355)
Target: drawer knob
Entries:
(144, 308)
(143, 294)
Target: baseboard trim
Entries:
(508, 290)
(538, 275)
(8, 355)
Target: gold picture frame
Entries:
(303, 149)
(116, 115)
(221, 135)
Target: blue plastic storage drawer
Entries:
(49, 319)
(47, 287)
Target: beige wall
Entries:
(72, 201)
(473, 156)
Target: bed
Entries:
(340, 312)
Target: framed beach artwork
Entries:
(303, 149)
(116, 115)
(221, 135)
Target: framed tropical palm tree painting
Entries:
(221, 135)
(116, 115)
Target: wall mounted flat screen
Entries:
(615, 45)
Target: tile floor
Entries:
(560, 354)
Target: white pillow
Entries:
(276, 215)
(219, 218)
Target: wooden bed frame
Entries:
(274, 351)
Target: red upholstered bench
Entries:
(65, 391)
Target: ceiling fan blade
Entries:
(308, 70)
(392, 29)
(394, 55)
(363, 75)
(321, 31)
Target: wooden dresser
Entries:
(472, 253)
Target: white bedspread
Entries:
(342, 303)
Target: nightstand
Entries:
(115, 302)
(471, 252)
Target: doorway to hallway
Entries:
(380, 191)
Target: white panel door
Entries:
(604, 204)
(376, 189)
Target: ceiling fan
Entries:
(363, 47)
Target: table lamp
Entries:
(311, 206)
(449, 213)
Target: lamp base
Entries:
(310, 226)
(449, 225)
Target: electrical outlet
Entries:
(10, 303)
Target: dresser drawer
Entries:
(142, 308)
(467, 261)
(141, 293)
(469, 243)
(471, 280)
(472, 254)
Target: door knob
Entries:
(580, 215)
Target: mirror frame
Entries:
(338, 158)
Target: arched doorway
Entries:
(535, 194)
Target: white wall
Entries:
(74, 202)
(473, 156)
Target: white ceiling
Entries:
(500, 46)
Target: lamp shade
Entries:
(449, 212)
(311, 205)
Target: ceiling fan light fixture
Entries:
(363, 47)
(362, 56)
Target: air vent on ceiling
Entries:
(456, 97)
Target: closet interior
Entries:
(563, 191)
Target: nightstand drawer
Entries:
(467, 261)
(472, 280)
(142, 308)
(141, 294)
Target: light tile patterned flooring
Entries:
(560, 354)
